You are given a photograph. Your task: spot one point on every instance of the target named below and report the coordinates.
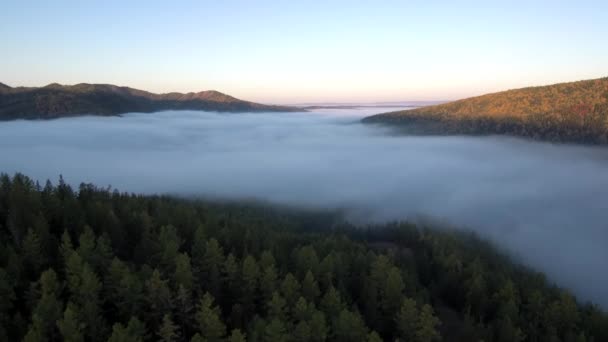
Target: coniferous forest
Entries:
(95, 264)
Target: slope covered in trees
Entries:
(57, 100)
(98, 265)
(566, 112)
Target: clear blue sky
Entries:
(302, 51)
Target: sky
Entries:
(305, 51)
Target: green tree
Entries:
(331, 303)
(290, 288)
(506, 331)
(250, 274)
(276, 306)
(237, 336)
(86, 245)
(169, 243)
(86, 288)
(158, 298)
(184, 308)
(66, 248)
(392, 292)
(310, 288)
(103, 254)
(426, 330)
(134, 332)
(349, 327)
(276, 331)
(373, 337)
(208, 317)
(307, 260)
(407, 320)
(318, 327)
(7, 297)
(48, 310)
(168, 331)
(69, 326)
(267, 260)
(268, 282)
(211, 267)
(32, 252)
(183, 271)
(302, 311)
(230, 277)
(302, 332)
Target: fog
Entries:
(545, 204)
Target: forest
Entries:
(56, 100)
(96, 264)
(575, 112)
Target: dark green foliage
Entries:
(95, 265)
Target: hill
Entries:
(55, 100)
(91, 264)
(565, 112)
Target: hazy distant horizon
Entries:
(317, 51)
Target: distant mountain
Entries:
(565, 112)
(55, 100)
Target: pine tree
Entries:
(208, 317)
(134, 332)
(86, 245)
(237, 336)
(168, 331)
(392, 292)
(407, 320)
(268, 282)
(267, 260)
(276, 331)
(87, 300)
(158, 298)
(302, 332)
(318, 327)
(426, 330)
(48, 310)
(310, 288)
(211, 267)
(183, 271)
(307, 260)
(302, 311)
(349, 327)
(7, 296)
(506, 331)
(276, 306)
(66, 248)
(230, 277)
(331, 303)
(184, 308)
(32, 255)
(70, 326)
(373, 337)
(250, 274)
(103, 254)
(290, 289)
(169, 243)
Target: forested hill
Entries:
(90, 264)
(566, 112)
(55, 100)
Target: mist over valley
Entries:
(542, 203)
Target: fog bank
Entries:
(544, 203)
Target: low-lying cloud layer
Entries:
(544, 203)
